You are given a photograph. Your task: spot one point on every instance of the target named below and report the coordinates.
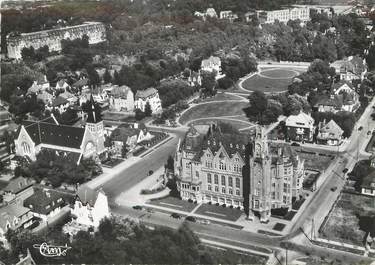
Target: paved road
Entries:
(130, 176)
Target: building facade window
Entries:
(216, 188)
(223, 190)
(216, 179)
(209, 178)
(209, 187)
(238, 192)
(238, 183)
(223, 180)
(230, 181)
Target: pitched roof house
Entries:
(121, 98)
(149, 95)
(90, 207)
(18, 189)
(329, 133)
(368, 184)
(131, 135)
(300, 127)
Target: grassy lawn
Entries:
(221, 96)
(174, 204)
(343, 221)
(213, 110)
(259, 83)
(226, 213)
(236, 124)
(115, 116)
(278, 227)
(278, 73)
(313, 161)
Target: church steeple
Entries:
(93, 111)
(260, 144)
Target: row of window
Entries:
(223, 200)
(223, 180)
(224, 190)
(222, 166)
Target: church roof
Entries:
(54, 134)
(93, 115)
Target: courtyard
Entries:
(270, 80)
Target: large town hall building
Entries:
(238, 170)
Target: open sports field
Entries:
(215, 109)
(270, 80)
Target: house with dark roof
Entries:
(60, 103)
(212, 64)
(121, 99)
(46, 203)
(33, 136)
(353, 68)
(90, 207)
(368, 184)
(130, 135)
(15, 217)
(329, 133)
(150, 96)
(18, 189)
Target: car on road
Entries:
(369, 132)
(191, 219)
(176, 215)
(360, 128)
(295, 144)
(333, 188)
(150, 172)
(345, 170)
(137, 207)
(204, 221)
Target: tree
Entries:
(8, 138)
(93, 76)
(208, 83)
(107, 77)
(148, 110)
(124, 150)
(139, 114)
(170, 163)
(258, 105)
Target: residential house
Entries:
(250, 15)
(368, 184)
(194, 78)
(130, 135)
(61, 104)
(348, 96)
(69, 97)
(81, 84)
(228, 14)
(90, 207)
(61, 85)
(15, 217)
(300, 127)
(284, 15)
(149, 95)
(121, 99)
(45, 203)
(210, 12)
(46, 97)
(18, 189)
(212, 64)
(351, 68)
(329, 133)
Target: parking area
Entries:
(174, 204)
(226, 213)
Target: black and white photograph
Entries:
(187, 132)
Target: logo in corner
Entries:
(51, 251)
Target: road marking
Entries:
(219, 214)
(174, 205)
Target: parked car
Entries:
(150, 172)
(295, 144)
(333, 188)
(137, 207)
(191, 219)
(204, 221)
(360, 128)
(345, 170)
(176, 215)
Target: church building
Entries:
(33, 136)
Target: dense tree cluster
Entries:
(119, 240)
(57, 169)
(346, 120)
(172, 91)
(30, 54)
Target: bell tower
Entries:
(94, 124)
(260, 177)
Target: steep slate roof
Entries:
(300, 120)
(329, 101)
(332, 128)
(19, 184)
(354, 65)
(123, 133)
(80, 83)
(9, 212)
(59, 101)
(41, 198)
(53, 134)
(146, 93)
(369, 181)
(341, 83)
(120, 91)
(93, 115)
(87, 195)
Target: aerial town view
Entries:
(187, 132)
